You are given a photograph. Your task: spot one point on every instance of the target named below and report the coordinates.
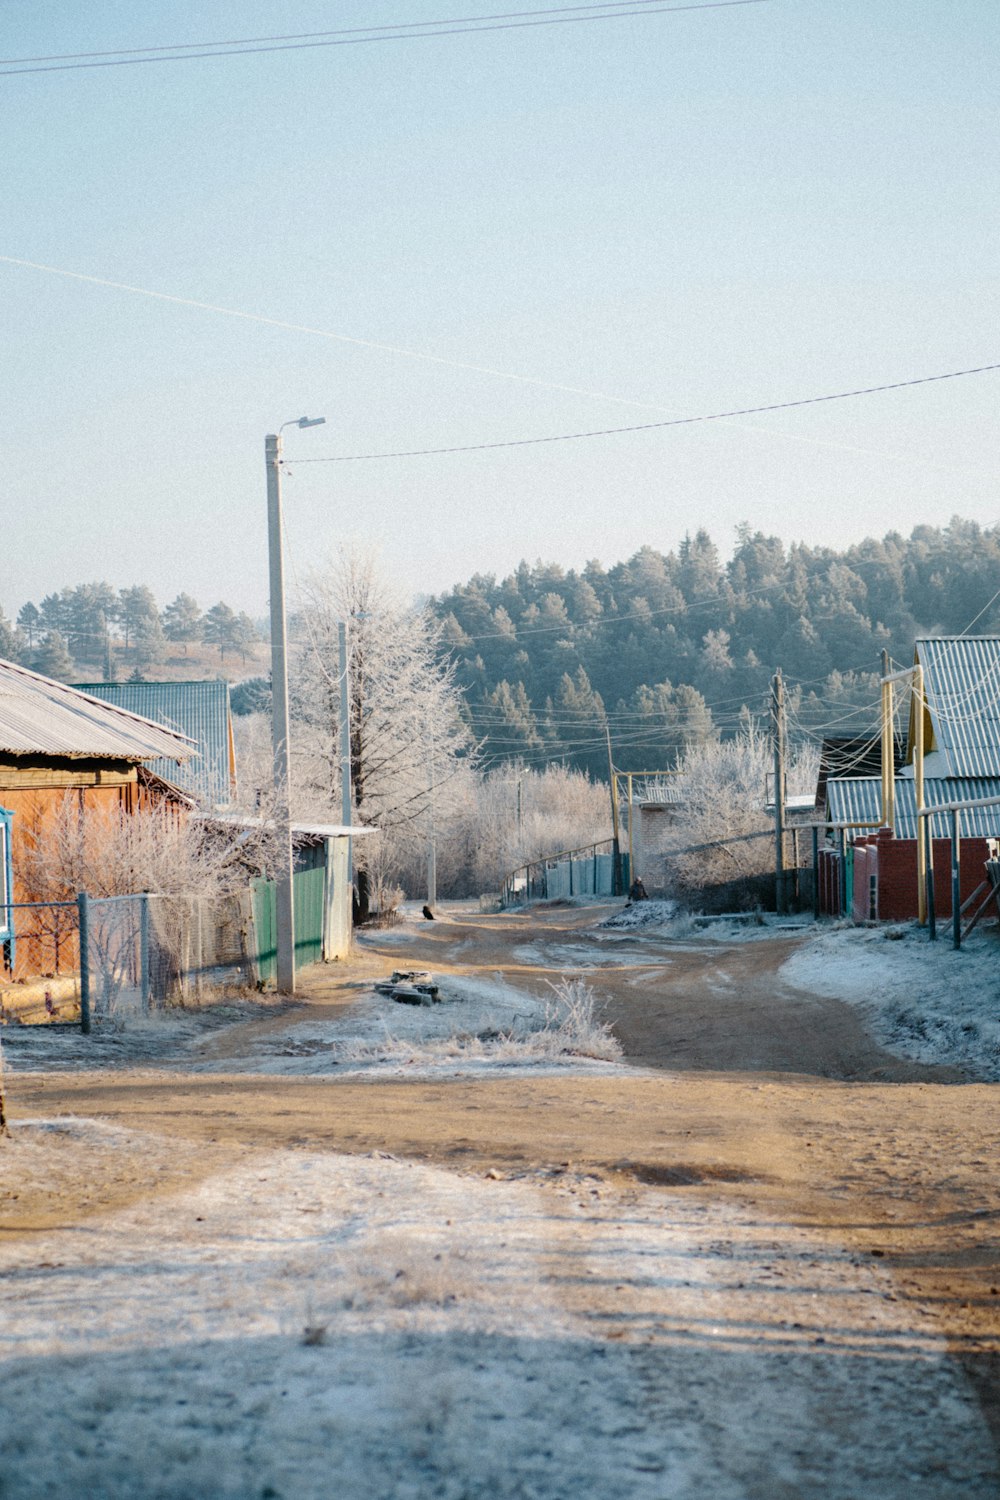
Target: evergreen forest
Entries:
(658, 652)
(669, 649)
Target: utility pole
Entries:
(345, 746)
(888, 750)
(616, 857)
(284, 909)
(431, 834)
(778, 723)
(918, 791)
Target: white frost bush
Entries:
(569, 1026)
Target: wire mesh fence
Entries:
(110, 959)
(114, 958)
(40, 970)
(140, 953)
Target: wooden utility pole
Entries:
(617, 882)
(778, 729)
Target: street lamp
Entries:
(284, 908)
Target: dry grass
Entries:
(569, 1026)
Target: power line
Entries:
(433, 359)
(716, 416)
(305, 36)
(183, 51)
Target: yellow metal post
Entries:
(918, 789)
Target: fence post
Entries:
(815, 834)
(81, 903)
(928, 840)
(144, 985)
(956, 883)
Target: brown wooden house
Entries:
(58, 743)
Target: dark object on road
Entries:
(409, 987)
(637, 891)
(428, 914)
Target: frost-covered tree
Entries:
(409, 746)
(12, 640)
(722, 831)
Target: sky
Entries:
(625, 220)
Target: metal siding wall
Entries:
(199, 710)
(307, 896)
(265, 933)
(337, 938)
(307, 902)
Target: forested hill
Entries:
(668, 648)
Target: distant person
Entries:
(428, 914)
(637, 891)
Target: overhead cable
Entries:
(182, 51)
(716, 416)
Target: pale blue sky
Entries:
(692, 210)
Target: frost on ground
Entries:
(643, 914)
(478, 1025)
(667, 919)
(922, 1000)
(304, 1325)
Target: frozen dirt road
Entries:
(760, 1261)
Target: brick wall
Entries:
(896, 861)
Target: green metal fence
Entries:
(308, 887)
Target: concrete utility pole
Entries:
(284, 909)
(432, 879)
(345, 745)
(778, 722)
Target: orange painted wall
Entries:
(46, 942)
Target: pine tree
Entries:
(182, 621)
(52, 658)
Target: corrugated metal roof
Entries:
(962, 685)
(859, 800)
(198, 710)
(39, 716)
(657, 791)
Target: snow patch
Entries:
(923, 1000)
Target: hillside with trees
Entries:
(664, 650)
(95, 631)
(669, 649)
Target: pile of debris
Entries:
(410, 987)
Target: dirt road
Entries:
(749, 1100)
